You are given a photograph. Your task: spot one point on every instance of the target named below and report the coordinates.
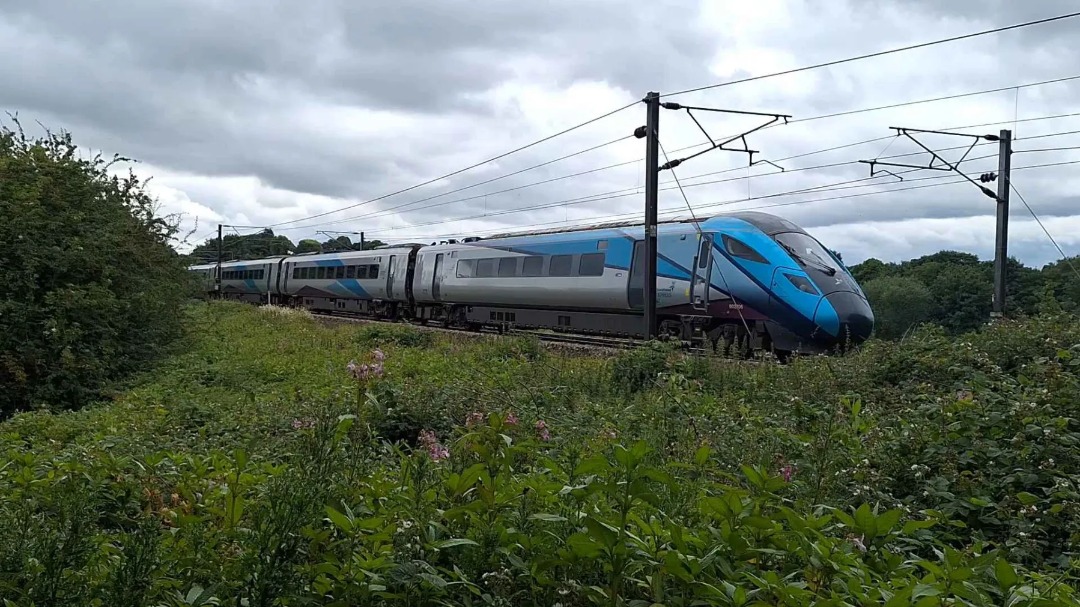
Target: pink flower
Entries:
(474, 419)
(511, 419)
(788, 472)
(300, 424)
(378, 355)
(436, 451)
(542, 430)
(351, 367)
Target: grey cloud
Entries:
(251, 89)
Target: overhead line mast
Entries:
(651, 133)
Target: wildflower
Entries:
(378, 355)
(474, 419)
(609, 434)
(788, 472)
(301, 424)
(542, 430)
(436, 451)
(511, 419)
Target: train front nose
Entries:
(855, 316)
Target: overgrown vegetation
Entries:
(261, 468)
(89, 288)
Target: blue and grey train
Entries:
(745, 280)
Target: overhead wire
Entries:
(820, 189)
(468, 168)
(708, 284)
(1045, 231)
(384, 212)
(696, 89)
(995, 30)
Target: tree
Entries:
(308, 246)
(90, 289)
(899, 303)
(247, 246)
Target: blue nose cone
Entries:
(856, 319)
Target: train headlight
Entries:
(802, 284)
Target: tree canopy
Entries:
(266, 244)
(955, 290)
(90, 289)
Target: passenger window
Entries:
(592, 264)
(373, 272)
(508, 267)
(361, 271)
(295, 273)
(321, 272)
(350, 271)
(560, 265)
(485, 268)
(742, 250)
(532, 266)
(339, 272)
(465, 268)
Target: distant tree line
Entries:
(955, 290)
(266, 244)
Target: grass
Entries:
(254, 469)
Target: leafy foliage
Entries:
(89, 288)
(265, 243)
(955, 290)
(254, 469)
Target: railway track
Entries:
(550, 338)
(572, 339)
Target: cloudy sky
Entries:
(260, 113)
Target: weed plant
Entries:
(261, 468)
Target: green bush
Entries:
(932, 471)
(637, 369)
(402, 335)
(89, 288)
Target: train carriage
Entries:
(248, 281)
(371, 282)
(747, 278)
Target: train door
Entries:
(436, 279)
(700, 279)
(636, 286)
(391, 272)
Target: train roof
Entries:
(770, 224)
(352, 254)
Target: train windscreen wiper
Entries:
(818, 263)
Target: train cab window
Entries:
(591, 264)
(739, 249)
(373, 271)
(532, 265)
(507, 267)
(350, 272)
(361, 271)
(560, 265)
(321, 272)
(339, 272)
(465, 268)
(485, 268)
